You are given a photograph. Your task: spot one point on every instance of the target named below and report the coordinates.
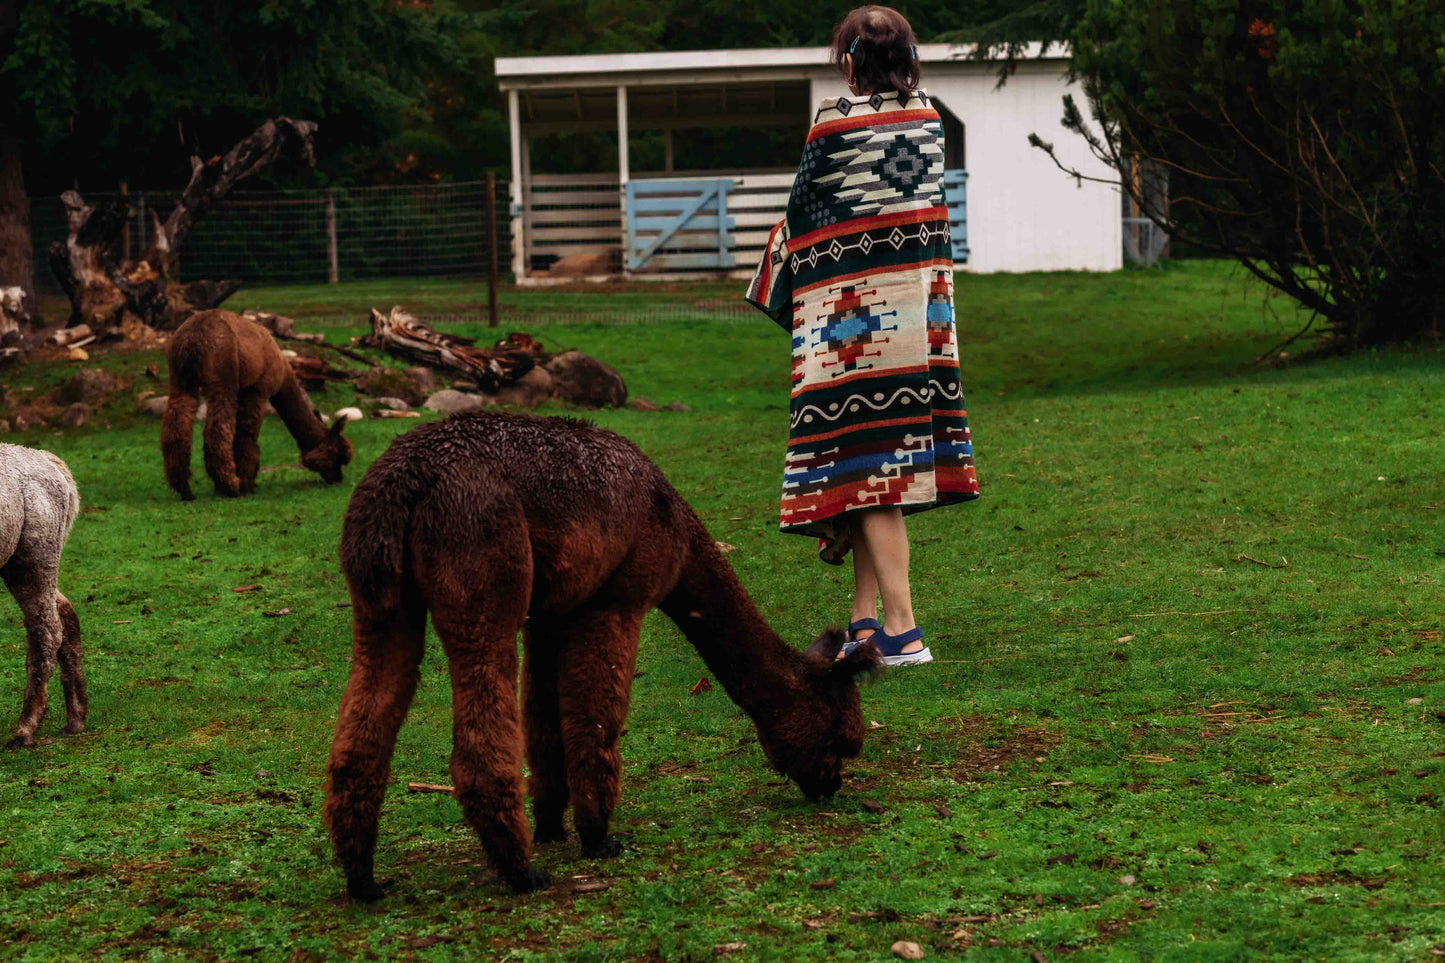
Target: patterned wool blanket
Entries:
(860, 271)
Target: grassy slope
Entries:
(1086, 771)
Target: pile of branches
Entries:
(402, 335)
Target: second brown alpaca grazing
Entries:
(235, 364)
(497, 524)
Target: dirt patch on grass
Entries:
(73, 871)
(980, 746)
(1342, 877)
(989, 749)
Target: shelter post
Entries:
(519, 242)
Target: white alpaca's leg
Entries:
(34, 589)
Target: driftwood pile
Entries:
(517, 370)
(454, 375)
(403, 336)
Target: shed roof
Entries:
(709, 66)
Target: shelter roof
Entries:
(708, 66)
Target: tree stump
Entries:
(106, 292)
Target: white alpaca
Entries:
(38, 504)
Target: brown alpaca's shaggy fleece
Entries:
(497, 524)
(235, 364)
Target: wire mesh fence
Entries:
(591, 309)
(315, 236)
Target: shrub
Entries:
(1303, 138)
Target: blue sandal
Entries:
(855, 627)
(892, 647)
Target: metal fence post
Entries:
(492, 248)
(333, 264)
(125, 231)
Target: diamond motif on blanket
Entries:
(835, 250)
(876, 101)
(897, 238)
(901, 166)
(865, 244)
(844, 105)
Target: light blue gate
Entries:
(679, 225)
(955, 193)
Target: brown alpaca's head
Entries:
(328, 458)
(824, 724)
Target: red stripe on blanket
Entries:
(768, 260)
(889, 423)
(892, 372)
(870, 120)
(869, 222)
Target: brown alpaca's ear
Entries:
(864, 659)
(337, 427)
(826, 646)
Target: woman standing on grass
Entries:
(860, 271)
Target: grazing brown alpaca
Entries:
(496, 524)
(236, 365)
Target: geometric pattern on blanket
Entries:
(860, 272)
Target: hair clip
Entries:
(914, 48)
(854, 45)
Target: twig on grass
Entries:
(428, 787)
(1150, 615)
(1250, 558)
(346, 352)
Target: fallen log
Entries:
(65, 336)
(106, 292)
(403, 336)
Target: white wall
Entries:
(1024, 214)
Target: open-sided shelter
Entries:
(1011, 208)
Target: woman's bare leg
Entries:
(865, 585)
(886, 538)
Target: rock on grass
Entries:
(906, 950)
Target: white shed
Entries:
(1013, 209)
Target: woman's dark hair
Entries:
(883, 47)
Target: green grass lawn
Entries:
(1187, 704)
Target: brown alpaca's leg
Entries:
(473, 561)
(176, 441)
(250, 413)
(220, 441)
(35, 593)
(486, 765)
(387, 649)
(595, 682)
(72, 676)
(544, 735)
